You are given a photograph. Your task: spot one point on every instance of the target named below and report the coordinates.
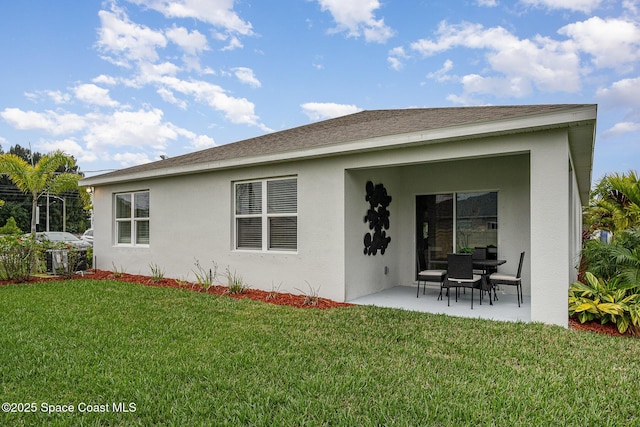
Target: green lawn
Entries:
(184, 358)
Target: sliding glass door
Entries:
(455, 220)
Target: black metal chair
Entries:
(424, 275)
(482, 253)
(460, 275)
(511, 280)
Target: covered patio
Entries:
(404, 297)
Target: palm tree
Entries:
(615, 203)
(40, 178)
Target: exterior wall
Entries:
(551, 229)
(192, 219)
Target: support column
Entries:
(550, 229)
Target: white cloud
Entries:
(191, 42)
(622, 128)
(396, 57)
(123, 41)
(168, 96)
(487, 3)
(58, 97)
(94, 95)
(218, 13)
(142, 128)
(68, 146)
(246, 76)
(131, 159)
(49, 121)
(623, 93)
(585, 6)
(442, 75)
(542, 62)
(357, 18)
(197, 142)
(631, 6)
(613, 43)
(105, 80)
(234, 43)
(327, 110)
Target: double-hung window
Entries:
(266, 214)
(132, 218)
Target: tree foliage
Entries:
(615, 203)
(51, 173)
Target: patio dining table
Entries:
(486, 265)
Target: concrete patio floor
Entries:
(404, 297)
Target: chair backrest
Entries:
(460, 266)
(520, 265)
(420, 261)
(479, 253)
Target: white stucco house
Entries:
(294, 208)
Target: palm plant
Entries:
(40, 178)
(615, 203)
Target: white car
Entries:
(87, 237)
(61, 236)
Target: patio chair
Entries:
(482, 253)
(511, 280)
(460, 275)
(424, 275)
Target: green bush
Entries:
(610, 287)
(10, 227)
(606, 301)
(18, 257)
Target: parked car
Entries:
(61, 236)
(87, 236)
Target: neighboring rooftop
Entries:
(354, 127)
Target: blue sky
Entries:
(119, 83)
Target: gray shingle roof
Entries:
(354, 127)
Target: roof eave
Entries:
(580, 114)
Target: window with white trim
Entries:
(266, 214)
(132, 218)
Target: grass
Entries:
(186, 358)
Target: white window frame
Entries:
(131, 219)
(264, 215)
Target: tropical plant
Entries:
(619, 257)
(606, 301)
(40, 178)
(615, 203)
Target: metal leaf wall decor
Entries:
(378, 218)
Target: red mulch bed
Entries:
(595, 326)
(278, 298)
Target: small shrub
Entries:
(605, 301)
(157, 273)
(117, 272)
(205, 278)
(311, 297)
(274, 291)
(235, 282)
(18, 257)
(10, 227)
